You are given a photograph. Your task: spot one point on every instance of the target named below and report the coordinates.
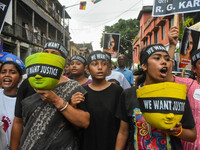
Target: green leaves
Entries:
(188, 22)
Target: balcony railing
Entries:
(42, 3)
(49, 9)
(25, 34)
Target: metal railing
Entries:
(49, 9)
(25, 34)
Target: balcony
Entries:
(24, 34)
(42, 3)
(49, 9)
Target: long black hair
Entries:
(140, 73)
(141, 76)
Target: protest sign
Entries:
(169, 7)
(111, 43)
(4, 4)
(189, 43)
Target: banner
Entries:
(111, 42)
(169, 7)
(8, 18)
(95, 1)
(189, 43)
(82, 5)
(4, 4)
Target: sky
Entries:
(86, 26)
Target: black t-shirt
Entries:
(139, 137)
(24, 91)
(102, 131)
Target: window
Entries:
(147, 42)
(156, 37)
(139, 50)
(163, 32)
(135, 52)
(150, 39)
(171, 22)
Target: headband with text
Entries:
(44, 71)
(56, 46)
(97, 55)
(79, 58)
(149, 50)
(195, 56)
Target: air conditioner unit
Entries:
(8, 29)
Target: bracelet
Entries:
(65, 106)
(57, 101)
(179, 132)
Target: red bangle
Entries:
(64, 107)
(179, 132)
(57, 101)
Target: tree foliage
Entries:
(188, 22)
(127, 29)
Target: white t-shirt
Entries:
(7, 108)
(2, 137)
(119, 77)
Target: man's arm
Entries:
(16, 133)
(122, 136)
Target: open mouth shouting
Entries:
(7, 81)
(163, 72)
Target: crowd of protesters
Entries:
(95, 107)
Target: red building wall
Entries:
(150, 27)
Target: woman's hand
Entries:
(174, 130)
(173, 35)
(76, 99)
(48, 96)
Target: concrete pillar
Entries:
(33, 24)
(47, 31)
(15, 14)
(63, 25)
(56, 35)
(18, 48)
